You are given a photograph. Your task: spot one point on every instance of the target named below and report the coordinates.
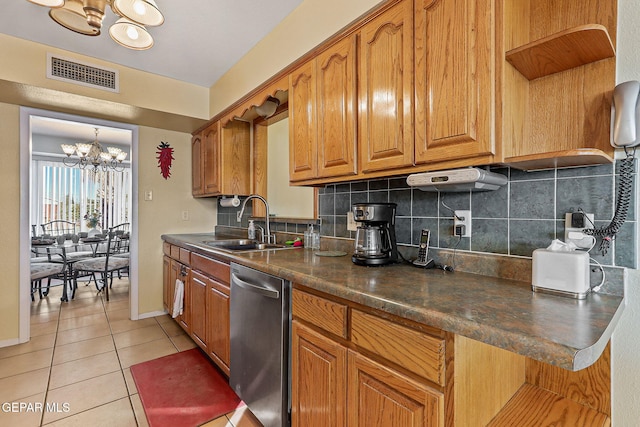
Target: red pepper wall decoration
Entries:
(165, 156)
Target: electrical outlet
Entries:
(351, 224)
(185, 215)
(574, 223)
(462, 226)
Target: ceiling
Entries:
(199, 41)
(79, 132)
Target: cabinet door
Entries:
(167, 284)
(381, 397)
(336, 102)
(211, 151)
(302, 123)
(180, 271)
(235, 154)
(454, 59)
(197, 308)
(218, 330)
(196, 165)
(318, 379)
(385, 90)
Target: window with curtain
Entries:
(64, 193)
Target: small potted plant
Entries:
(92, 220)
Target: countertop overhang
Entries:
(504, 313)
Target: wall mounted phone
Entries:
(625, 115)
(423, 250)
(625, 133)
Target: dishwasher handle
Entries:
(254, 288)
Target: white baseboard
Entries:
(151, 314)
(8, 343)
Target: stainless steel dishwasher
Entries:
(260, 336)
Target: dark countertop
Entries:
(504, 313)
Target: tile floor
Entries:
(75, 369)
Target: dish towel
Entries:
(178, 299)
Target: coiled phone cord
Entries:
(608, 232)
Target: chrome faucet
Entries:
(266, 233)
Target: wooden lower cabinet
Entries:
(218, 331)
(318, 379)
(331, 383)
(198, 308)
(206, 300)
(167, 288)
(182, 272)
(380, 397)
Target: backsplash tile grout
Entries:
(526, 214)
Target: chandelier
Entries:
(85, 17)
(92, 154)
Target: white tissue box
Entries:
(561, 272)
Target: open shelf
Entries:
(560, 159)
(562, 51)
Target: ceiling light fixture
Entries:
(92, 154)
(85, 17)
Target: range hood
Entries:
(456, 180)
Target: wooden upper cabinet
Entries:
(225, 159)
(336, 107)
(454, 59)
(211, 153)
(385, 90)
(303, 147)
(196, 165)
(235, 158)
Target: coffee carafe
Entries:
(376, 235)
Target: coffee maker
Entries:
(376, 234)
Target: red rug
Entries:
(183, 389)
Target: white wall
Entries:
(625, 343)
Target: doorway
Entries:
(27, 118)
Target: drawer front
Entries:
(416, 351)
(216, 269)
(185, 256)
(328, 315)
(175, 252)
(166, 248)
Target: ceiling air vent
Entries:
(73, 71)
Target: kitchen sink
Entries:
(243, 245)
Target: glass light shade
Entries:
(73, 17)
(68, 149)
(144, 12)
(130, 34)
(105, 156)
(48, 3)
(83, 149)
(121, 156)
(113, 151)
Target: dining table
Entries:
(64, 252)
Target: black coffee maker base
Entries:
(372, 262)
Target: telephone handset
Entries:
(423, 249)
(625, 115)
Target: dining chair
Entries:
(54, 268)
(104, 265)
(59, 227)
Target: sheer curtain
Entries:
(65, 193)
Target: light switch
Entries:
(148, 195)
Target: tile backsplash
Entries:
(524, 215)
